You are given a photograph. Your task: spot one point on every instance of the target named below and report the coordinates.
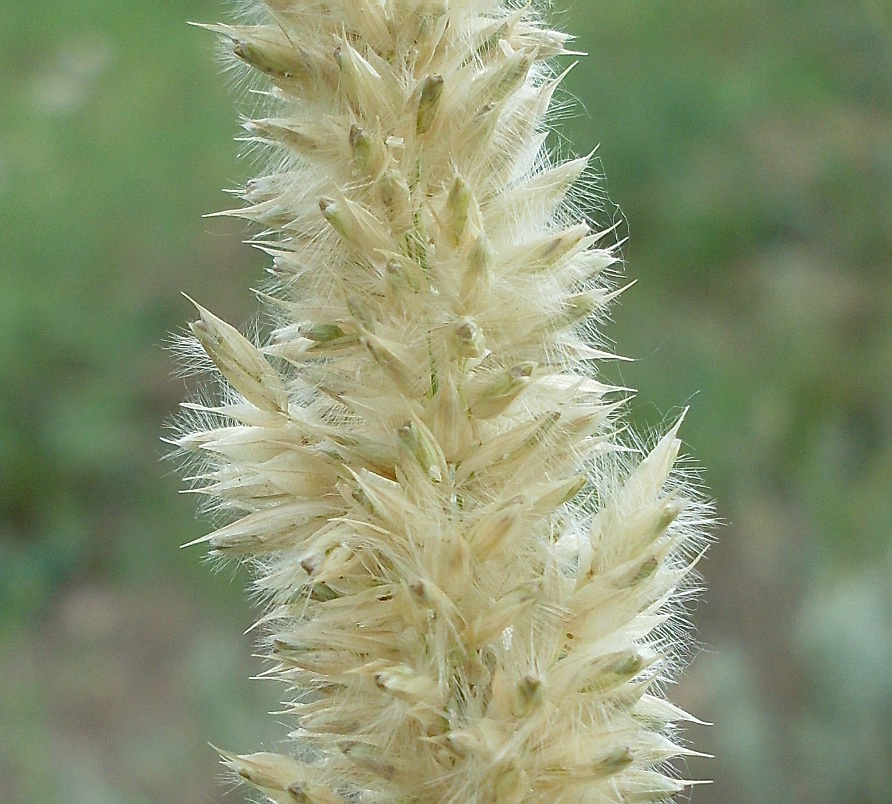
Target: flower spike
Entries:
(472, 573)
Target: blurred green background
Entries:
(749, 147)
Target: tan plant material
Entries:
(471, 574)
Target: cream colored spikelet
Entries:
(471, 576)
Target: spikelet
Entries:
(470, 576)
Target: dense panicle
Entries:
(469, 575)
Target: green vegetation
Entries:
(749, 146)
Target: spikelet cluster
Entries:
(471, 577)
